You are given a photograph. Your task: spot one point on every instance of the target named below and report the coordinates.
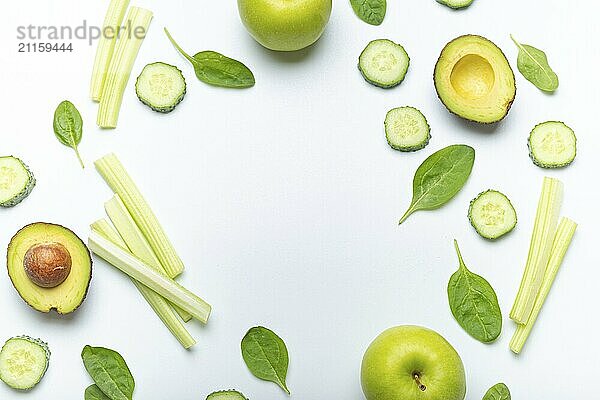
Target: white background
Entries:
(283, 200)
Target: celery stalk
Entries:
(104, 228)
(135, 240)
(121, 183)
(544, 229)
(106, 45)
(143, 273)
(562, 240)
(157, 302)
(129, 42)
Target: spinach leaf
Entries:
(474, 303)
(370, 11)
(93, 392)
(497, 392)
(109, 372)
(440, 177)
(533, 64)
(266, 356)
(216, 69)
(68, 126)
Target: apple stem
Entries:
(417, 379)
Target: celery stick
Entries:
(562, 240)
(135, 240)
(142, 272)
(104, 228)
(544, 229)
(157, 302)
(121, 183)
(130, 39)
(106, 45)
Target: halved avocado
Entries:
(50, 267)
(474, 79)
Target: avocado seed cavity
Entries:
(47, 264)
(472, 77)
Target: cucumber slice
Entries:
(406, 129)
(456, 3)
(226, 395)
(383, 63)
(552, 144)
(23, 362)
(160, 86)
(492, 214)
(16, 181)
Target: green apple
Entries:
(412, 363)
(285, 25)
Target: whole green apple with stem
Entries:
(285, 25)
(412, 363)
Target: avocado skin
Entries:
(89, 256)
(508, 104)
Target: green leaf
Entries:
(216, 69)
(370, 11)
(109, 372)
(266, 356)
(219, 70)
(440, 177)
(497, 392)
(474, 303)
(68, 126)
(93, 392)
(533, 64)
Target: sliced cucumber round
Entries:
(406, 129)
(226, 395)
(161, 87)
(23, 362)
(492, 214)
(456, 4)
(552, 144)
(16, 181)
(383, 63)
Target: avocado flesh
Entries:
(67, 296)
(474, 79)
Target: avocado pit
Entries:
(47, 264)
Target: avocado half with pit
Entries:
(50, 267)
(474, 79)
